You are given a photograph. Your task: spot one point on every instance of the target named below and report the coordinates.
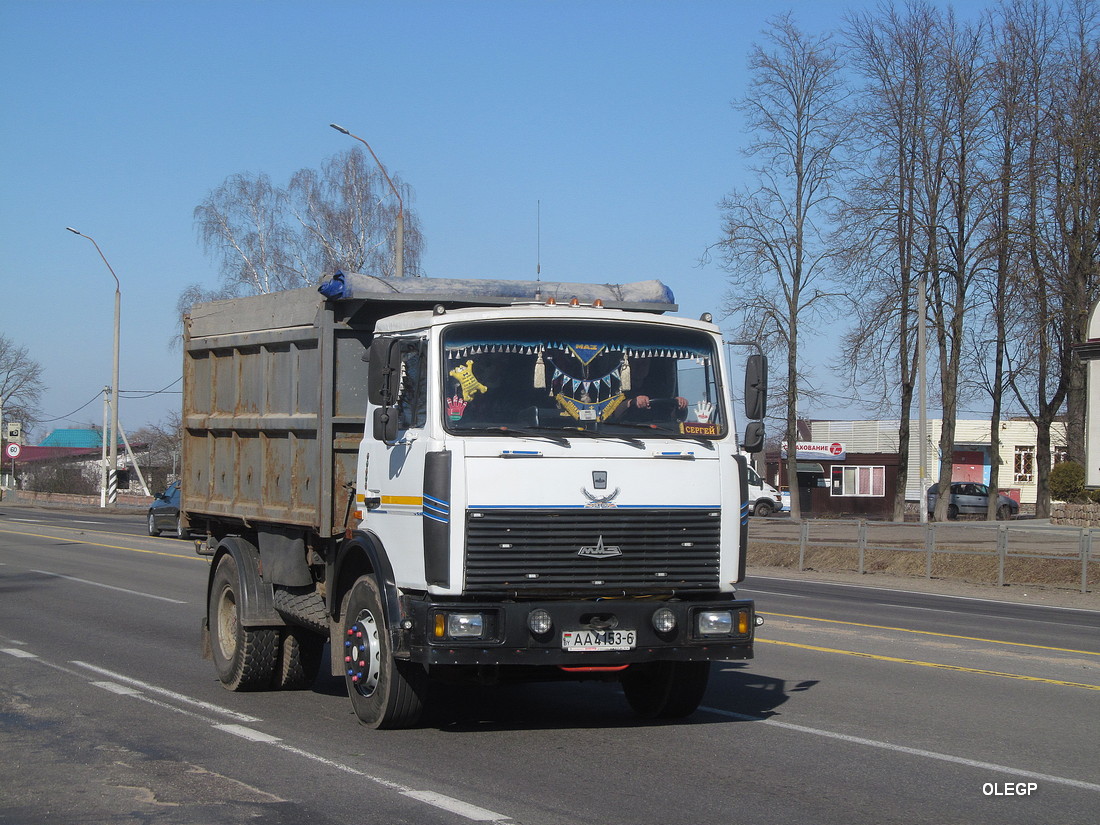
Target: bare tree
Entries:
(774, 243)
(897, 56)
(267, 238)
(21, 384)
(957, 203)
(162, 465)
(1054, 241)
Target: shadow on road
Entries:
(567, 705)
(735, 687)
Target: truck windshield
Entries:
(577, 378)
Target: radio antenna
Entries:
(538, 240)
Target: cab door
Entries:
(394, 467)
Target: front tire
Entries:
(384, 692)
(763, 508)
(665, 690)
(244, 657)
(153, 531)
(1004, 513)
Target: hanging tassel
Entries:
(624, 376)
(540, 373)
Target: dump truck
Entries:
(466, 480)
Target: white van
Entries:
(763, 498)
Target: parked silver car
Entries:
(968, 497)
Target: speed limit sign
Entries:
(13, 451)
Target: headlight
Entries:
(464, 626)
(714, 623)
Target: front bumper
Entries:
(507, 639)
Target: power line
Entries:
(74, 412)
(155, 392)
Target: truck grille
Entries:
(586, 551)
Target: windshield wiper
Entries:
(523, 432)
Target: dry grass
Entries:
(962, 567)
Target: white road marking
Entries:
(121, 690)
(179, 697)
(249, 734)
(128, 689)
(108, 587)
(17, 653)
(873, 743)
(455, 806)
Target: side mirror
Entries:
(385, 425)
(384, 371)
(756, 388)
(754, 437)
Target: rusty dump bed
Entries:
(274, 390)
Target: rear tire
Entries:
(300, 653)
(244, 657)
(384, 692)
(665, 690)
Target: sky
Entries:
(594, 138)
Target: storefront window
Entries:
(849, 480)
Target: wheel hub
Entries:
(362, 655)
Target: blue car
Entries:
(164, 513)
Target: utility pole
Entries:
(112, 470)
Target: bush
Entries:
(1067, 483)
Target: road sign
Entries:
(13, 451)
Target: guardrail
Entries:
(1009, 545)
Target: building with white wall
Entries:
(973, 450)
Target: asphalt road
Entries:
(862, 705)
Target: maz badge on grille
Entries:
(599, 550)
(601, 502)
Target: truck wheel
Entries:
(384, 692)
(763, 508)
(665, 690)
(300, 653)
(245, 657)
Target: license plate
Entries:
(586, 640)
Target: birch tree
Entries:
(267, 238)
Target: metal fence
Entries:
(1004, 542)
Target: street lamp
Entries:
(399, 253)
(112, 485)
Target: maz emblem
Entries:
(599, 550)
(604, 503)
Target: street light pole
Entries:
(112, 481)
(399, 252)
